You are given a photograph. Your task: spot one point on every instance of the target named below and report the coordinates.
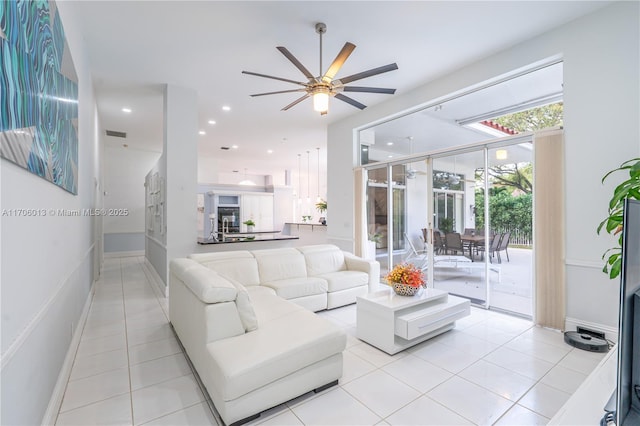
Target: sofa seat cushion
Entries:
(278, 348)
(344, 280)
(298, 287)
(268, 306)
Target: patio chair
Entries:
(495, 243)
(415, 256)
(454, 243)
(504, 244)
(439, 246)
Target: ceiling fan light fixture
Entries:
(321, 99)
(321, 87)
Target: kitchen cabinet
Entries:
(259, 208)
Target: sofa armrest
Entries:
(371, 267)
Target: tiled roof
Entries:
(499, 127)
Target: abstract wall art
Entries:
(38, 93)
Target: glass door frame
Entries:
(428, 157)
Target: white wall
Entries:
(47, 262)
(125, 170)
(177, 168)
(601, 100)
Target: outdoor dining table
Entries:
(471, 241)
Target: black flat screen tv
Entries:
(628, 377)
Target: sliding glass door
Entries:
(457, 268)
(464, 217)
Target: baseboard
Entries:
(156, 279)
(610, 333)
(51, 414)
(124, 253)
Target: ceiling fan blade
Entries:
(368, 89)
(275, 78)
(280, 91)
(296, 102)
(349, 101)
(338, 62)
(368, 73)
(296, 62)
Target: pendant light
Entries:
(318, 181)
(247, 181)
(308, 179)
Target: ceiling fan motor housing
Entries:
(321, 28)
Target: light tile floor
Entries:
(491, 369)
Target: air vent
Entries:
(116, 134)
(226, 148)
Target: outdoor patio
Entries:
(511, 281)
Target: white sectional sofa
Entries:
(245, 320)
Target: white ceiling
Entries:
(137, 46)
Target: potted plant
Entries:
(250, 224)
(612, 224)
(321, 206)
(446, 224)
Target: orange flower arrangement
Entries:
(406, 273)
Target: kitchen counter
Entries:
(309, 232)
(246, 237)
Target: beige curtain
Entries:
(549, 229)
(360, 210)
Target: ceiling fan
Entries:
(325, 85)
(411, 173)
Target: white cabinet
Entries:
(259, 208)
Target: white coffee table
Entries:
(393, 323)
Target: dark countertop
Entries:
(245, 237)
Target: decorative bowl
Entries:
(402, 289)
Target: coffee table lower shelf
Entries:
(393, 323)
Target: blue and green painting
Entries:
(38, 92)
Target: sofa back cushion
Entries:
(236, 265)
(279, 264)
(245, 308)
(323, 259)
(207, 285)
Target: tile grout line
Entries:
(197, 379)
(126, 341)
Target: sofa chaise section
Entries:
(291, 351)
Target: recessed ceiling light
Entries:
(269, 151)
(391, 156)
(127, 110)
(389, 143)
(212, 121)
(234, 146)
(202, 132)
(226, 108)
(501, 154)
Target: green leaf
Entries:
(615, 269)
